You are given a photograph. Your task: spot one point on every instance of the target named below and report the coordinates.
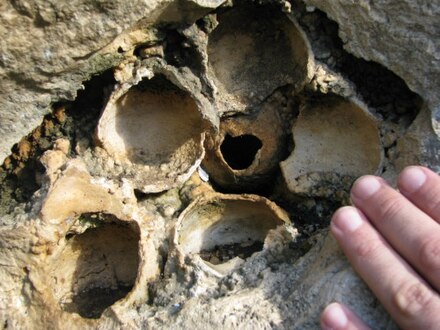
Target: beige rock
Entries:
(62, 145)
(74, 193)
(90, 247)
(49, 48)
(379, 32)
(50, 268)
(53, 160)
(95, 267)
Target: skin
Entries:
(392, 240)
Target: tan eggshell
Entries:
(156, 132)
(220, 219)
(251, 53)
(335, 142)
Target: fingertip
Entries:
(411, 179)
(346, 220)
(334, 317)
(365, 187)
(338, 317)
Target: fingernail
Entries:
(335, 318)
(347, 219)
(412, 179)
(365, 187)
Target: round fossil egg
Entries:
(96, 268)
(246, 151)
(156, 131)
(272, 52)
(336, 140)
(220, 231)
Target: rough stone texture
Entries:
(68, 195)
(156, 131)
(218, 219)
(272, 304)
(253, 166)
(50, 48)
(393, 33)
(241, 74)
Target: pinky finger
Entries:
(339, 317)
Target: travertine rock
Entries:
(88, 246)
(246, 151)
(290, 297)
(94, 247)
(273, 52)
(401, 35)
(156, 129)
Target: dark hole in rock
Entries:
(239, 151)
(90, 303)
(97, 267)
(224, 253)
(69, 236)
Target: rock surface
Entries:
(49, 48)
(63, 196)
(401, 35)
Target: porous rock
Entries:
(49, 49)
(56, 248)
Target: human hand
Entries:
(392, 240)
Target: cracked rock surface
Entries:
(175, 164)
